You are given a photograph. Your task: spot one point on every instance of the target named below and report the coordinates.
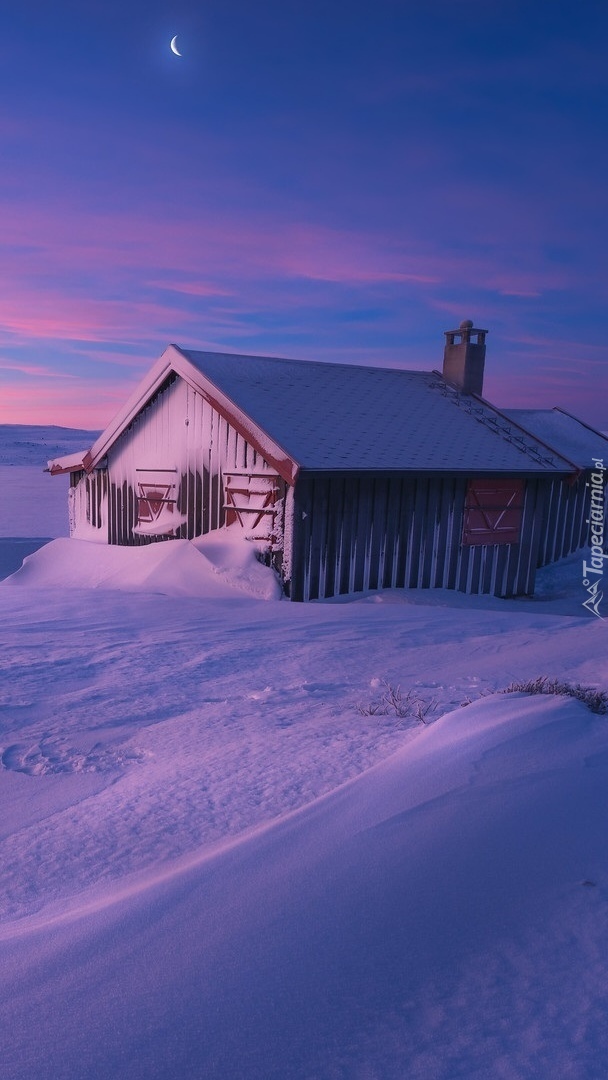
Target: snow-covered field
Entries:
(221, 860)
(33, 503)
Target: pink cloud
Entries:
(115, 244)
(530, 381)
(558, 348)
(85, 405)
(323, 254)
(203, 282)
(237, 259)
(99, 354)
(58, 316)
(544, 392)
(191, 288)
(34, 369)
(212, 258)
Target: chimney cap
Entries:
(466, 328)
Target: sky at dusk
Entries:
(326, 181)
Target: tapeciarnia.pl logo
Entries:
(593, 570)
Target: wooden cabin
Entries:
(348, 478)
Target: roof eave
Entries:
(524, 473)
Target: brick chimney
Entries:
(464, 357)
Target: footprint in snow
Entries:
(51, 757)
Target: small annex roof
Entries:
(68, 463)
(301, 414)
(574, 438)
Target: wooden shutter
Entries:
(253, 499)
(156, 503)
(493, 512)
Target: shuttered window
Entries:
(493, 512)
(156, 503)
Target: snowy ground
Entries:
(33, 510)
(33, 504)
(34, 445)
(219, 862)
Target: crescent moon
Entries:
(174, 47)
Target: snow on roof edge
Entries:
(67, 463)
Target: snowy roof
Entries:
(301, 414)
(341, 416)
(577, 440)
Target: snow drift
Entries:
(444, 915)
(215, 565)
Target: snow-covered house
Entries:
(350, 478)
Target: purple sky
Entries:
(310, 179)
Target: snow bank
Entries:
(234, 560)
(444, 915)
(216, 566)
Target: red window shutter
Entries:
(151, 500)
(493, 512)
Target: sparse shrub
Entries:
(422, 710)
(374, 708)
(393, 701)
(595, 700)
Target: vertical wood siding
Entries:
(354, 533)
(180, 434)
(88, 504)
(565, 526)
